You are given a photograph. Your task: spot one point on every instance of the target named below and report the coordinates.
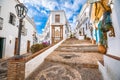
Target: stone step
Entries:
(90, 74)
(76, 41)
(77, 49)
(78, 45)
(79, 65)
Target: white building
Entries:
(57, 27)
(111, 68)
(9, 30)
(83, 28)
(45, 36)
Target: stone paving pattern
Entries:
(70, 65)
(72, 60)
(3, 70)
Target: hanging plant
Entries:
(106, 22)
(102, 46)
(106, 27)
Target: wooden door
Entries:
(57, 33)
(1, 47)
(16, 46)
(28, 46)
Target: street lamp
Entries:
(21, 11)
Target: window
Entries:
(0, 10)
(86, 26)
(12, 19)
(1, 23)
(24, 30)
(83, 32)
(57, 18)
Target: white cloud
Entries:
(38, 23)
(69, 8)
(73, 23)
(32, 13)
(44, 12)
(42, 30)
(74, 19)
(49, 4)
(67, 5)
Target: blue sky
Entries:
(39, 10)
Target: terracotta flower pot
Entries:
(93, 42)
(102, 49)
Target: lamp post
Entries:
(21, 11)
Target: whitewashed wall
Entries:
(30, 30)
(111, 68)
(10, 32)
(114, 42)
(62, 17)
(63, 21)
(32, 64)
(83, 15)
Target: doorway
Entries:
(28, 46)
(2, 40)
(16, 46)
(57, 33)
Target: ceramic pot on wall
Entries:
(102, 49)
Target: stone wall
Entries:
(16, 69)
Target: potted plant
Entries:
(102, 46)
(106, 23)
(106, 27)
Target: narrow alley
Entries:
(59, 40)
(72, 60)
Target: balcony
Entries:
(1, 23)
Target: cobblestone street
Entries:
(59, 40)
(3, 70)
(72, 60)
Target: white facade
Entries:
(47, 34)
(114, 42)
(111, 68)
(9, 32)
(83, 23)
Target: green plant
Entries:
(36, 47)
(71, 35)
(106, 27)
(80, 33)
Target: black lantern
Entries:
(21, 11)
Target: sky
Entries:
(39, 10)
